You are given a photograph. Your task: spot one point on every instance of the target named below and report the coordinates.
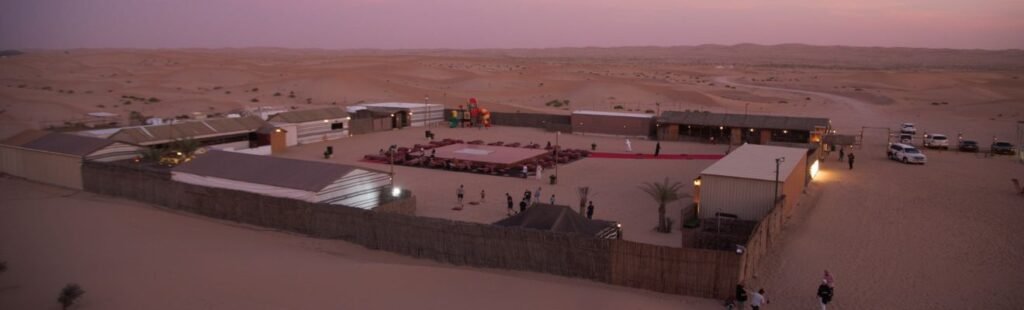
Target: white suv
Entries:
(906, 154)
(936, 141)
(908, 128)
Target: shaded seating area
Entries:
(494, 159)
(561, 219)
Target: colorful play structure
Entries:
(471, 116)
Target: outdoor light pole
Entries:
(391, 155)
(426, 102)
(557, 134)
(778, 162)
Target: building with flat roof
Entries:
(744, 184)
(56, 158)
(740, 128)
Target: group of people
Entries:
(842, 153)
(758, 299)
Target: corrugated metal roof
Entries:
(752, 161)
(302, 116)
(622, 114)
(304, 175)
(743, 120)
(56, 142)
(156, 134)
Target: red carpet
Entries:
(651, 156)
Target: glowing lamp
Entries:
(696, 182)
(395, 192)
(814, 169)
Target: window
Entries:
(337, 126)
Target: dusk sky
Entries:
(391, 24)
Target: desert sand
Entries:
(942, 235)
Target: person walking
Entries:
(629, 146)
(459, 193)
(552, 199)
(850, 159)
(841, 153)
(483, 196)
(657, 149)
(758, 300)
(508, 198)
(593, 146)
(824, 294)
(539, 173)
(537, 195)
(741, 296)
(590, 210)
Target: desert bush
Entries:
(618, 107)
(255, 89)
(277, 94)
(255, 100)
(69, 294)
(153, 99)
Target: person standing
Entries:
(539, 173)
(552, 199)
(758, 300)
(629, 146)
(508, 198)
(522, 206)
(459, 193)
(483, 196)
(590, 210)
(850, 159)
(841, 153)
(741, 296)
(526, 196)
(526, 171)
(593, 146)
(824, 294)
(537, 195)
(657, 149)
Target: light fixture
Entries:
(392, 115)
(277, 130)
(785, 131)
(751, 129)
(740, 249)
(721, 127)
(348, 118)
(395, 192)
(326, 121)
(696, 182)
(814, 169)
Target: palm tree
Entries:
(188, 146)
(664, 193)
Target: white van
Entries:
(906, 154)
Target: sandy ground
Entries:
(128, 255)
(940, 236)
(615, 183)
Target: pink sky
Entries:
(986, 24)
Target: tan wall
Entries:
(766, 234)
(749, 199)
(50, 168)
(612, 125)
(696, 272)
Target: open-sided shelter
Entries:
(56, 158)
(310, 181)
(740, 128)
(743, 183)
(238, 133)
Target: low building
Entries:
(310, 181)
(405, 114)
(312, 125)
(56, 158)
(740, 128)
(613, 123)
(220, 133)
(743, 183)
(561, 219)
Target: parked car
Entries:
(906, 154)
(905, 138)
(908, 128)
(1003, 148)
(937, 141)
(968, 146)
